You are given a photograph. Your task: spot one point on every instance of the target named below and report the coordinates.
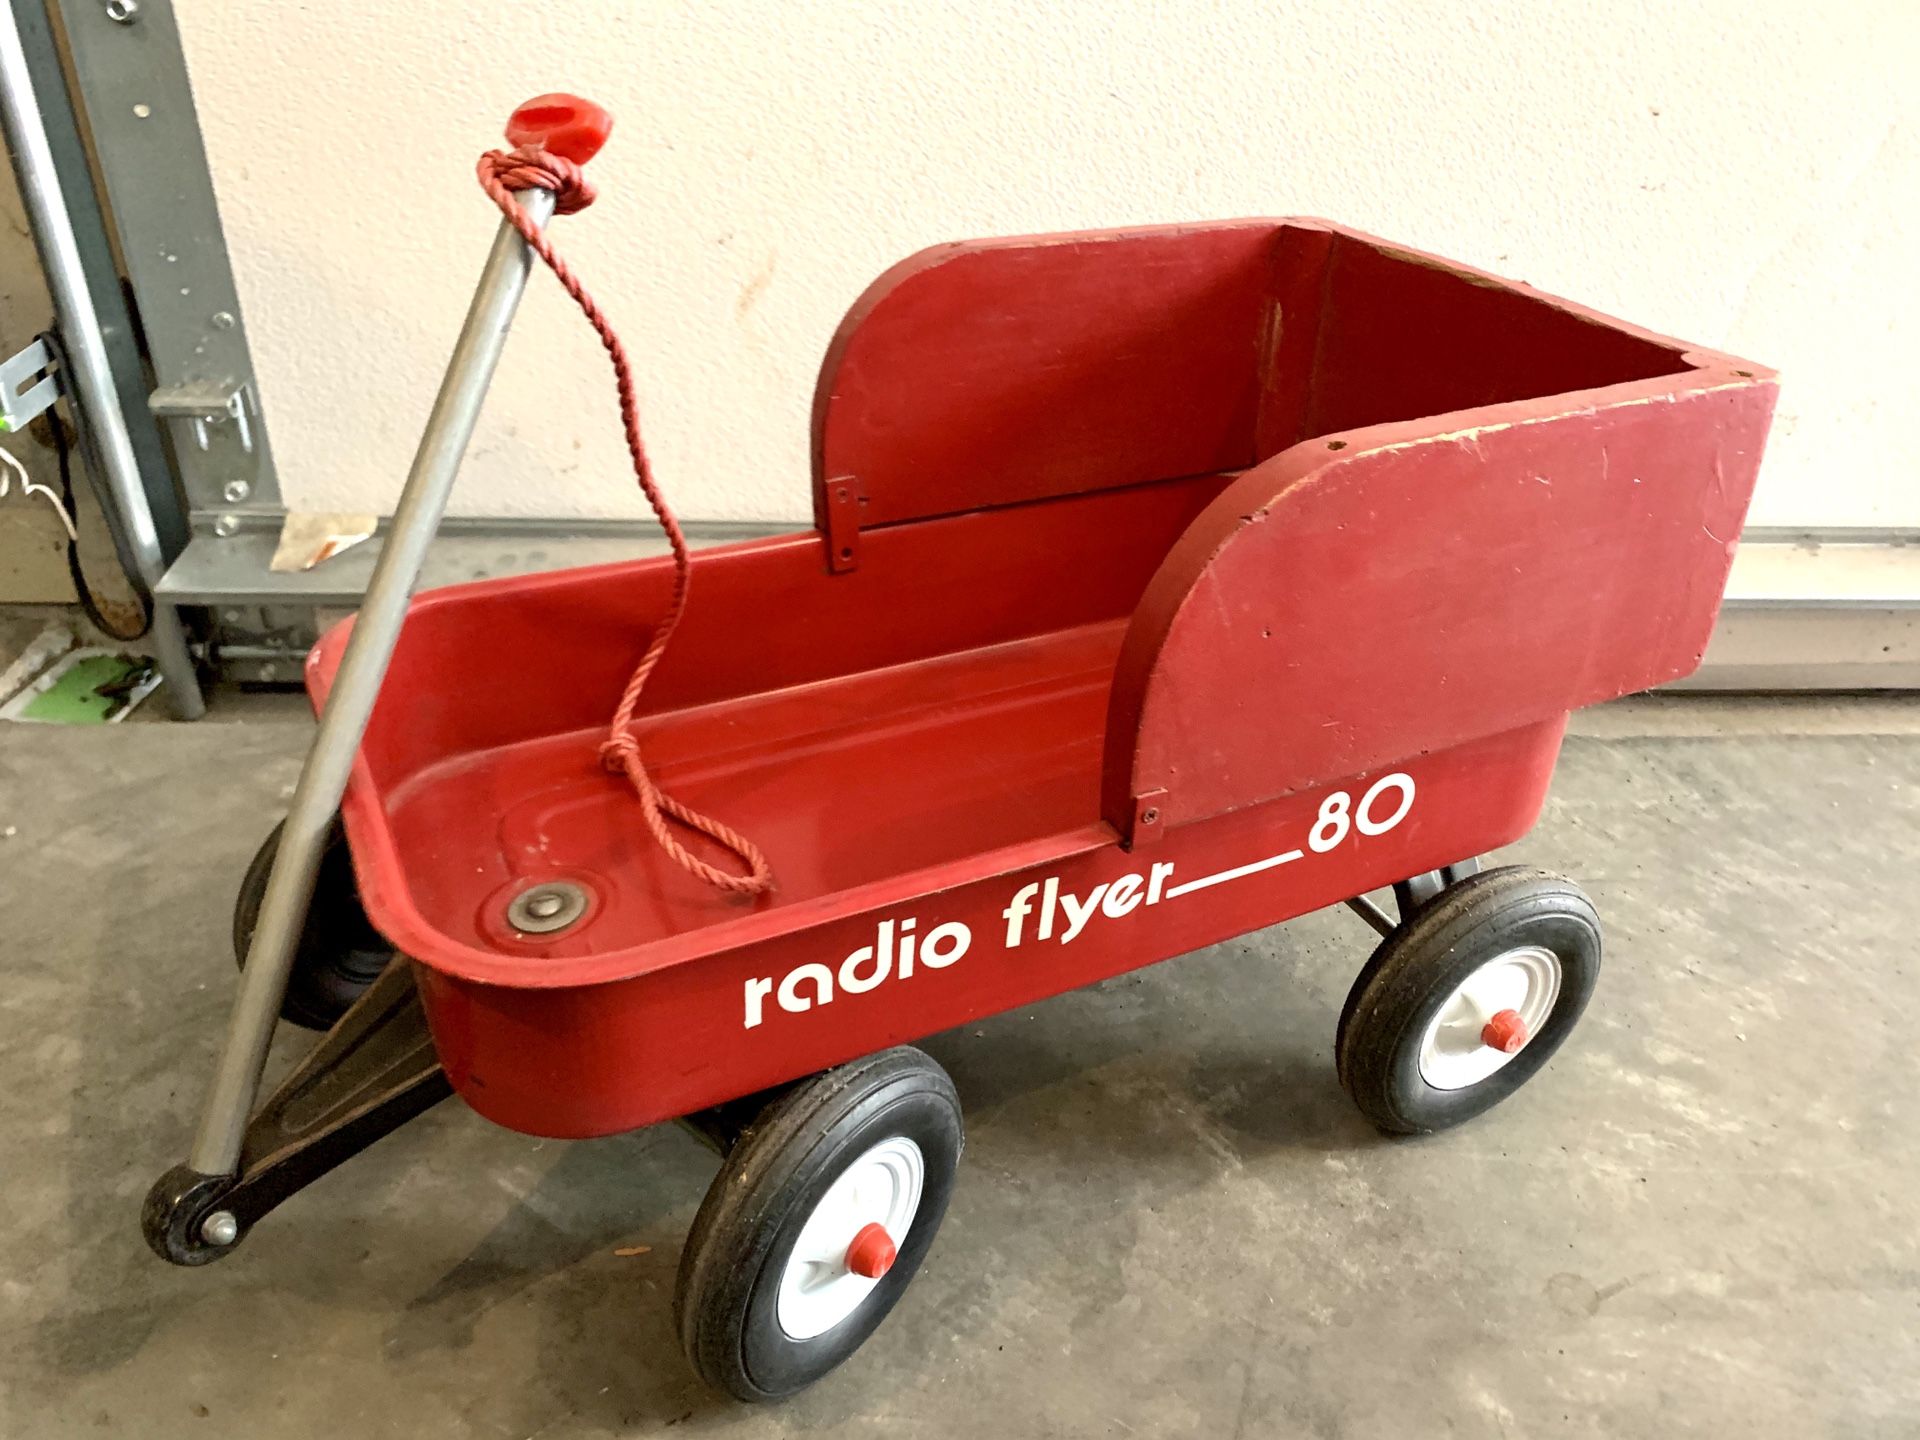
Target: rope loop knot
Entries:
(530, 169)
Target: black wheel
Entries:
(1467, 998)
(340, 952)
(816, 1223)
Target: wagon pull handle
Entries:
(554, 135)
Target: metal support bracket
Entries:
(209, 402)
(724, 1125)
(28, 385)
(369, 1075)
(1381, 922)
(1412, 893)
(1416, 890)
(1149, 819)
(844, 500)
(130, 74)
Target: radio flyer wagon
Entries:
(1164, 584)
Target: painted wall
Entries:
(1742, 173)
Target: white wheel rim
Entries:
(883, 1187)
(1452, 1053)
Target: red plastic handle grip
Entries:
(563, 125)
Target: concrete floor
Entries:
(1703, 1219)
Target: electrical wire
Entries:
(29, 487)
(62, 449)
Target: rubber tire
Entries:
(728, 1286)
(1417, 966)
(340, 952)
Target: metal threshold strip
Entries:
(1833, 610)
(1818, 610)
(213, 570)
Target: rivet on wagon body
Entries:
(550, 906)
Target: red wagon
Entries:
(1164, 585)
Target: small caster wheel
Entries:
(1466, 998)
(340, 952)
(816, 1223)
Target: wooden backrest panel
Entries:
(1401, 334)
(999, 371)
(995, 372)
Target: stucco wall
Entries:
(1742, 173)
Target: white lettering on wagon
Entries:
(894, 952)
(1059, 914)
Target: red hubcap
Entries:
(1505, 1032)
(871, 1254)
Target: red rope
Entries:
(501, 174)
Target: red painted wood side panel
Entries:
(1338, 608)
(501, 661)
(1402, 334)
(1291, 351)
(585, 1060)
(999, 371)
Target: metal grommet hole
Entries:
(547, 907)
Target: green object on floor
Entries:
(92, 691)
